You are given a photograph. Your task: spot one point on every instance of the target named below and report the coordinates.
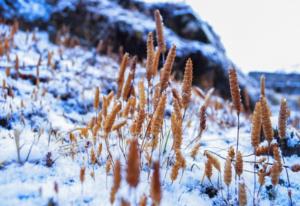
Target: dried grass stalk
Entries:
(282, 119)
(111, 118)
(208, 168)
(167, 69)
(176, 127)
(116, 181)
(261, 177)
(156, 192)
(175, 171)
(143, 201)
(82, 174)
(263, 150)
(133, 164)
(177, 110)
(214, 161)
(262, 86)
(231, 152)
(266, 121)
(122, 70)
(93, 157)
(176, 96)
(158, 118)
(156, 62)
(195, 151)
(235, 90)
(129, 106)
(159, 31)
(136, 127)
(242, 194)
(227, 171)
(187, 83)
(130, 78)
(142, 94)
(119, 125)
(97, 98)
(150, 57)
(275, 173)
(277, 156)
(156, 96)
(256, 125)
(239, 164)
(202, 118)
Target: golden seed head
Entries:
(159, 31)
(167, 69)
(235, 90)
(187, 83)
(155, 192)
(266, 121)
(282, 119)
(256, 125)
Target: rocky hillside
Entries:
(123, 25)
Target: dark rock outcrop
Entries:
(127, 22)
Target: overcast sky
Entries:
(257, 34)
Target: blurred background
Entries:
(257, 35)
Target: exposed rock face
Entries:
(127, 22)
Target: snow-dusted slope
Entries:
(43, 118)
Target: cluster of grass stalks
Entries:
(134, 121)
(130, 132)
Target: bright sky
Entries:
(257, 34)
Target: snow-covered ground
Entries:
(45, 116)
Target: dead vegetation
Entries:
(133, 126)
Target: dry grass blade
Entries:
(143, 201)
(116, 181)
(156, 62)
(242, 194)
(155, 192)
(130, 78)
(202, 118)
(159, 31)
(208, 168)
(239, 164)
(214, 161)
(177, 132)
(266, 121)
(275, 173)
(122, 70)
(158, 118)
(167, 69)
(176, 96)
(235, 90)
(150, 57)
(142, 95)
(208, 96)
(282, 119)
(133, 164)
(156, 96)
(97, 98)
(262, 86)
(111, 118)
(187, 83)
(227, 171)
(256, 125)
